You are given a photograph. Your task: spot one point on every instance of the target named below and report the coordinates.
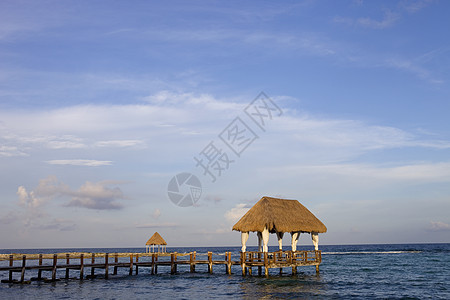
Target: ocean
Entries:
(403, 271)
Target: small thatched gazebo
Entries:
(274, 215)
(155, 240)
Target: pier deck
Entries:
(131, 261)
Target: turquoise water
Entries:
(408, 271)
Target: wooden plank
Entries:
(40, 271)
(92, 268)
(55, 260)
(210, 264)
(266, 264)
(81, 266)
(68, 263)
(131, 265)
(22, 275)
(11, 263)
(137, 266)
(116, 260)
(106, 265)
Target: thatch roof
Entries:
(279, 215)
(156, 239)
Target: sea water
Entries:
(407, 271)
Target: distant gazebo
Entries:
(274, 215)
(155, 240)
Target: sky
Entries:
(342, 105)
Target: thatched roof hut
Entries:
(155, 240)
(280, 215)
(274, 215)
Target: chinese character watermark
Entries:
(185, 189)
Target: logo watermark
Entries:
(185, 189)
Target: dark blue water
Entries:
(409, 271)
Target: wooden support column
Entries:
(156, 263)
(266, 264)
(22, 275)
(11, 263)
(191, 261)
(67, 263)
(228, 259)
(106, 265)
(280, 258)
(131, 265)
(317, 269)
(55, 260)
(210, 265)
(250, 258)
(172, 263)
(137, 267)
(259, 267)
(81, 266)
(116, 261)
(176, 264)
(153, 264)
(40, 271)
(294, 263)
(92, 268)
(243, 258)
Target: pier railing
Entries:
(279, 259)
(134, 261)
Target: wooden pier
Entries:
(133, 262)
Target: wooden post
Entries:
(294, 262)
(228, 259)
(176, 265)
(250, 258)
(243, 257)
(11, 263)
(55, 259)
(259, 267)
(92, 268)
(137, 267)
(116, 260)
(191, 262)
(210, 262)
(40, 271)
(317, 269)
(153, 263)
(67, 263)
(156, 263)
(266, 264)
(22, 275)
(172, 264)
(81, 266)
(106, 265)
(131, 265)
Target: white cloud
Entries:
(158, 225)
(90, 195)
(234, 214)
(80, 162)
(156, 213)
(438, 226)
(389, 19)
(119, 143)
(96, 196)
(416, 5)
(11, 151)
(414, 68)
(375, 174)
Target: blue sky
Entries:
(103, 102)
